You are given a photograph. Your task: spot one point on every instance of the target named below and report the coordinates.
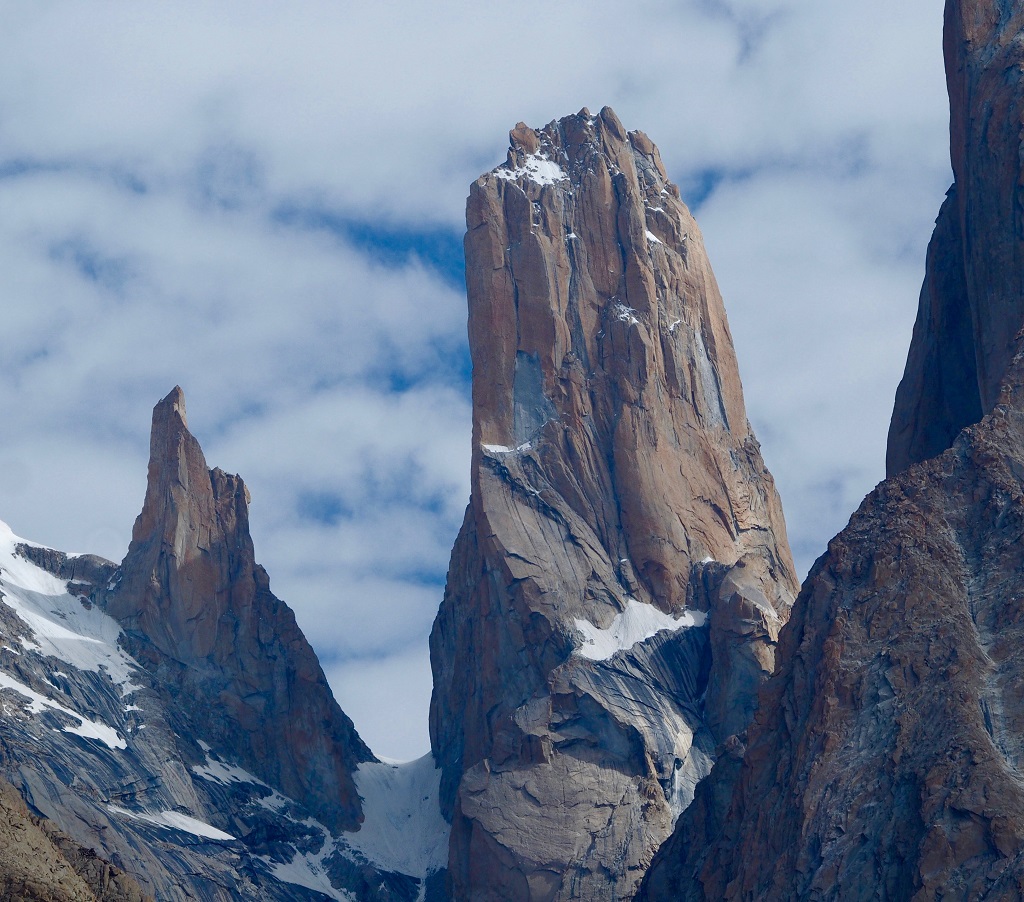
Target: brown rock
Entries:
(885, 758)
(972, 303)
(38, 863)
(200, 615)
(614, 475)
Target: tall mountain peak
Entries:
(199, 611)
(618, 585)
(168, 716)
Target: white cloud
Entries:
(388, 698)
(147, 152)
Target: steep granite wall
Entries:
(200, 616)
(618, 585)
(972, 302)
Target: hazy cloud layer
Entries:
(263, 203)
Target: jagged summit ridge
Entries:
(615, 592)
(199, 611)
(168, 741)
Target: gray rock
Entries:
(198, 611)
(168, 743)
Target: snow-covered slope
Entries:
(98, 744)
(403, 829)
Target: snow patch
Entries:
(652, 237)
(537, 168)
(403, 829)
(626, 314)
(89, 729)
(306, 870)
(505, 449)
(223, 773)
(175, 820)
(635, 624)
(62, 627)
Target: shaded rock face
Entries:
(616, 591)
(200, 615)
(886, 759)
(106, 753)
(972, 302)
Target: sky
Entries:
(264, 204)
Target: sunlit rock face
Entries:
(886, 759)
(617, 588)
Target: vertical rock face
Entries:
(886, 759)
(972, 303)
(617, 588)
(200, 615)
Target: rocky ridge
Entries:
(618, 585)
(198, 612)
(38, 863)
(885, 760)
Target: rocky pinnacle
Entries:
(199, 613)
(617, 588)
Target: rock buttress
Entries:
(617, 588)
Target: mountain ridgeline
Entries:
(168, 716)
(613, 602)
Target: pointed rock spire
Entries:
(199, 611)
(618, 584)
